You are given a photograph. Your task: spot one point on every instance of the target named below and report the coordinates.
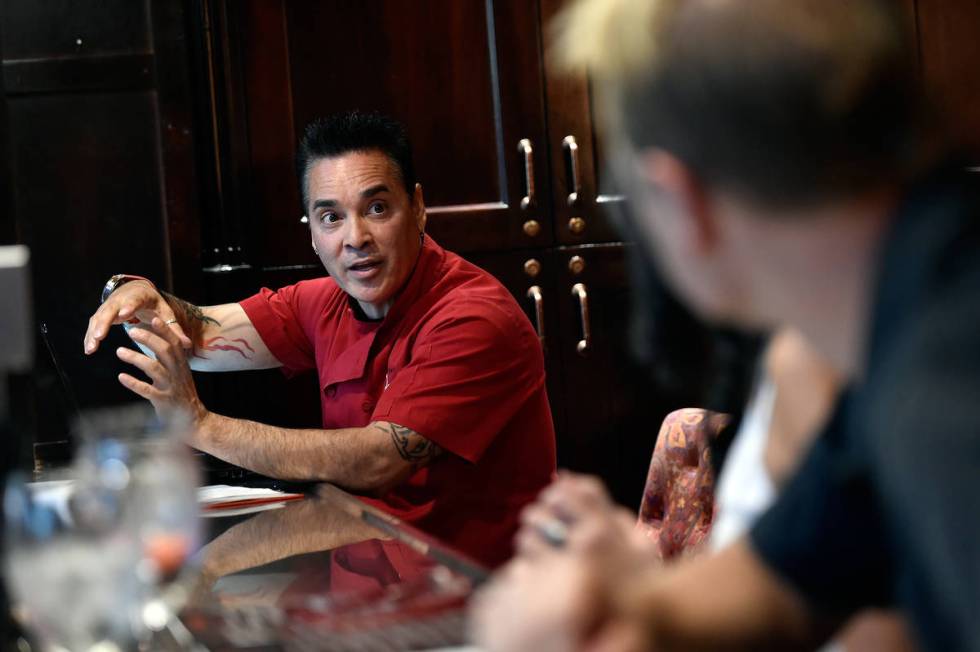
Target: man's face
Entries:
(365, 228)
(697, 255)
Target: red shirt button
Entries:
(330, 391)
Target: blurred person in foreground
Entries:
(785, 174)
(794, 395)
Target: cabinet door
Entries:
(949, 53)
(605, 408)
(98, 147)
(465, 78)
(613, 413)
(582, 191)
(532, 276)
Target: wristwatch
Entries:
(118, 279)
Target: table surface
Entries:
(325, 572)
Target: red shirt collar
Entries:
(352, 363)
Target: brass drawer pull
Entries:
(571, 149)
(579, 291)
(524, 147)
(534, 293)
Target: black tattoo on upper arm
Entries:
(412, 446)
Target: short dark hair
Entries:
(354, 131)
(787, 102)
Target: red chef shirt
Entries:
(457, 361)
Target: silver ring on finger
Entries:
(554, 531)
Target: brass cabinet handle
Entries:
(571, 149)
(578, 291)
(534, 293)
(524, 147)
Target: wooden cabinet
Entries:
(462, 76)
(606, 410)
(949, 55)
(583, 197)
(530, 275)
(99, 166)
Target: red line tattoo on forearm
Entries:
(221, 344)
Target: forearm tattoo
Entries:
(223, 344)
(192, 319)
(412, 446)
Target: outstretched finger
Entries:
(185, 341)
(152, 368)
(98, 326)
(161, 348)
(138, 387)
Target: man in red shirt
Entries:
(432, 378)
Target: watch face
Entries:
(111, 285)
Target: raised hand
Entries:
(171, 384)
(136, 302)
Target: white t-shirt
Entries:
(744, 489)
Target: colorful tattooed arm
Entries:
(223, 336)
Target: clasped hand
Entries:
(558, 593)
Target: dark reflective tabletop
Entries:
(326, 572)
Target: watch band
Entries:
(119, 279)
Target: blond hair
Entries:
(611, 39)
(786, 100)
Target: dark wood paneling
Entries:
(100, 140)
(908, 9)
(613, 409)
(90, 73)
(8, 234)
(465, 78)
(177, 167)
(571, 114)
(87, 211)
(434, 65)
(949, 42)
(67, 28)
(269, 198)
(222, 141)
(592, 378)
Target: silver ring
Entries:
(554, 531)
(170, 321)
